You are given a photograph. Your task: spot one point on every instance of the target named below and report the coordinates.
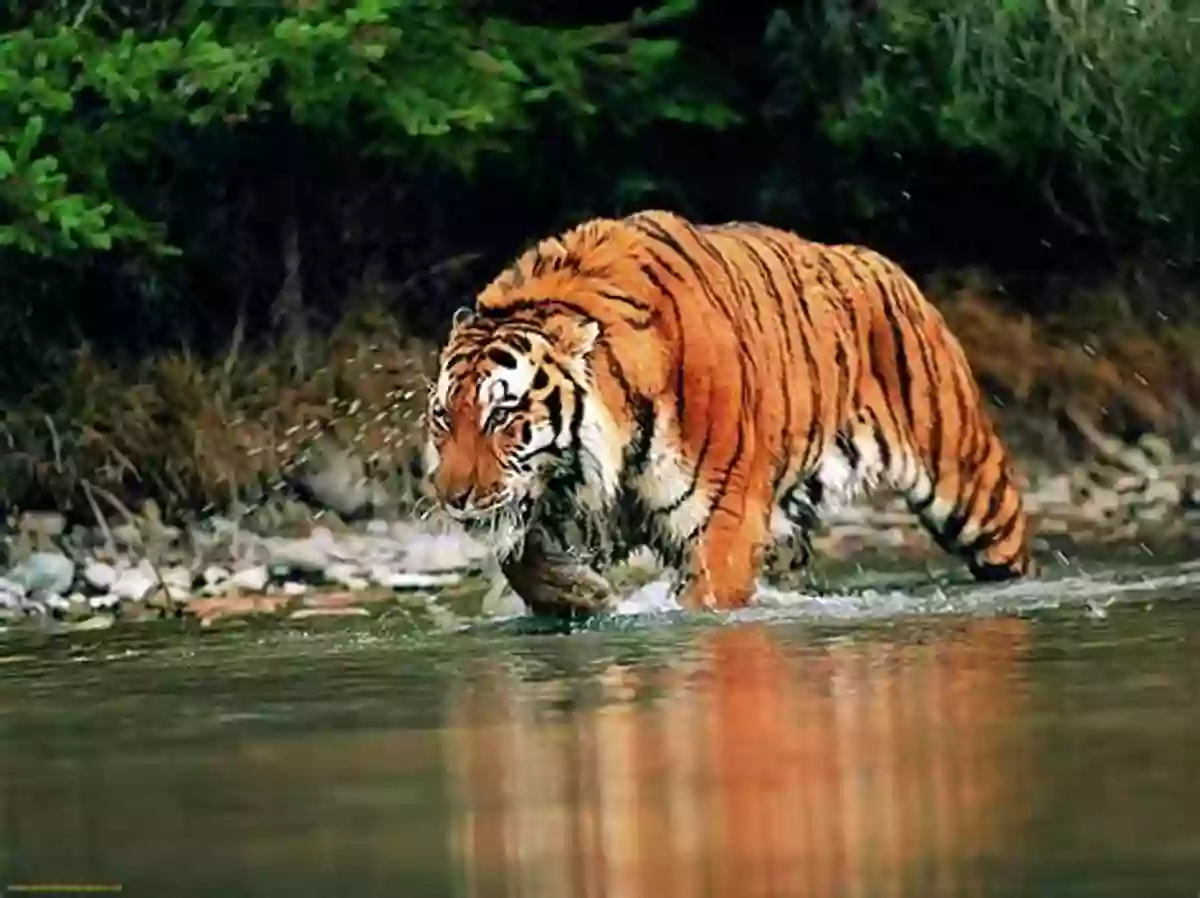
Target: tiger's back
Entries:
(742, 379)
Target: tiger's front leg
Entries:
(726, 559)
(552, 583)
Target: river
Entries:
(1038, 739)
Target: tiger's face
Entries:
(503, 417)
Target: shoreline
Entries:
(311, 564)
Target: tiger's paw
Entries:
(555, 588)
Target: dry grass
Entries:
(1101, 358)
(191, 433)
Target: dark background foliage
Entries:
(216, 178)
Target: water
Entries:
(1028, 740)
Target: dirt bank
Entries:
(180, 476)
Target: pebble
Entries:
(348, 611)
(347, 575)
(11, 588)
(135, 584)
(402, 580)
(95, 622)
(44, 571)
(235, 568)
(55, 602)
(252, 579)
(99, 576)
(303, 555)
(214, 573)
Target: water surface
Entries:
(885, 740)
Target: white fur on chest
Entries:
(601, 446)
(667, 482)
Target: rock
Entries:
(8, 587)
(44, 524)
(177, 581)
(400, 580)
(95, 622)
(251, 579)
(348, 611)
(1100, 505)
(429, 552)
(44, 571)
(104, 602)
(214, 574)
(1164, 492)
(11, 599)
(135, 584)
(306, 555)
(55, 602)
(99, 576)
(378, 527)
(1056, 490)
(292, 589)
(347, 575)
(128, 535)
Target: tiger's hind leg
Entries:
(973, 509)
(789, 556)
(795, 519)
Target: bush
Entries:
(1086, 113)
(84, 105)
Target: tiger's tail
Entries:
(958, 475)
(973, 508)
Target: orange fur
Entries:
(709, 386)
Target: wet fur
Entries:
(711, 389)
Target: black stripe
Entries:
(652, 276)
(905, 290)
(787, 353)
(624, 299)
(903, 373)
(655, 231)
(803, 331)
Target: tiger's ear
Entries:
(463, 315)
(574, 336)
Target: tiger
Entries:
(705, 390)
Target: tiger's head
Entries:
(504, 416)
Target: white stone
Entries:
(393, 579)
(347, 575)
(214, 574)
(252, 579)
(12, 588)
(56, 602)
(45, 571)
(99, 576)
(442, 552)
(308, 555)
(134, 585)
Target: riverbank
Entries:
(312, 564)
(119, 460)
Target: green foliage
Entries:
(88, 102)
(1095, 105)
